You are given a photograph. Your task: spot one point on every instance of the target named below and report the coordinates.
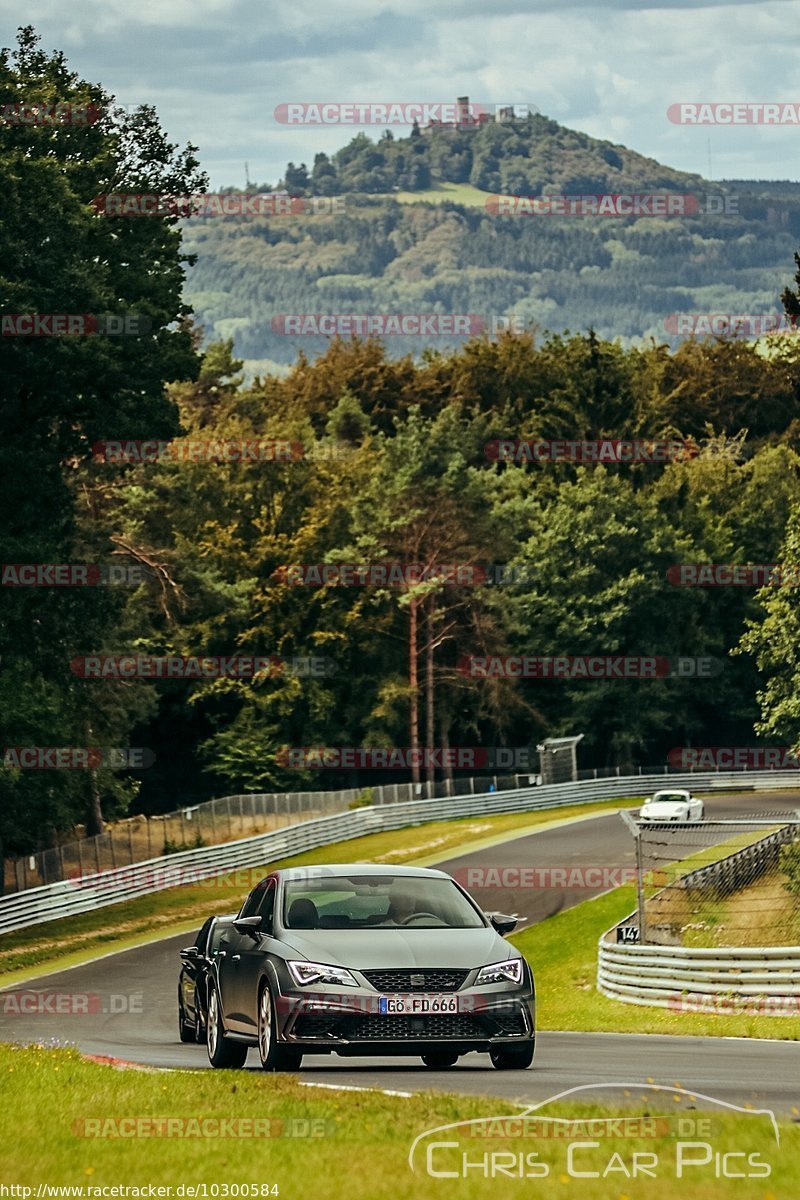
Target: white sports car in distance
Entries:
(673, 805)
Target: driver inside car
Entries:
(401, 907)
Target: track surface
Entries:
(133, 1001)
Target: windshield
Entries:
(668, 798)
(384, 901)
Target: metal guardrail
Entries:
(669, 976)
(743, 866)
(86, 893)
(692, 978)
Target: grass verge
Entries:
(61, 1126)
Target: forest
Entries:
(369, 455)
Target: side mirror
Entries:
(501, 923)
(250, 925)
(190, 954)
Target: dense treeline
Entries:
(522, 156)
(622, 276)
(395, 469)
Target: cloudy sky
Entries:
(217, 69)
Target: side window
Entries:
(266, 908)
(217, 934)
(200, 940)
(251, 905)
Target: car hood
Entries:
(365, 949)
(662, 812)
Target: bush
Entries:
(171, 847)
(363, 799)
(789, 863)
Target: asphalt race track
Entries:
(133, 1002)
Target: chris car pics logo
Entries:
(680, 1143)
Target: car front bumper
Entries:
(320, 1020)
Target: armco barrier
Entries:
(692, 978)
(89, 892)
(662, 975)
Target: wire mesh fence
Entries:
(214, 822)
(719, 883)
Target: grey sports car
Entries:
(368, 960)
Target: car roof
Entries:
(371, 869)
(671, 792)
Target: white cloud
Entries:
(216, 69)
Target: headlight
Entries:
(305, 973)
(509, 971)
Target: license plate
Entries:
(409, 1005)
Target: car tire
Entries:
(185, 1030)
(440, 1060)
(222, 1052)
(513, 1058)
(274, 1057)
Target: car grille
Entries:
(509, 1022)
(396, 1028)
(423, 980)
(399, 1028)
(316, 1026)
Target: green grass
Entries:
(459, 193)
(362, 1141)
(563, 953)
(64, 942)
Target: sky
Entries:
(217, 69)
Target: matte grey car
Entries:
(368, 960)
